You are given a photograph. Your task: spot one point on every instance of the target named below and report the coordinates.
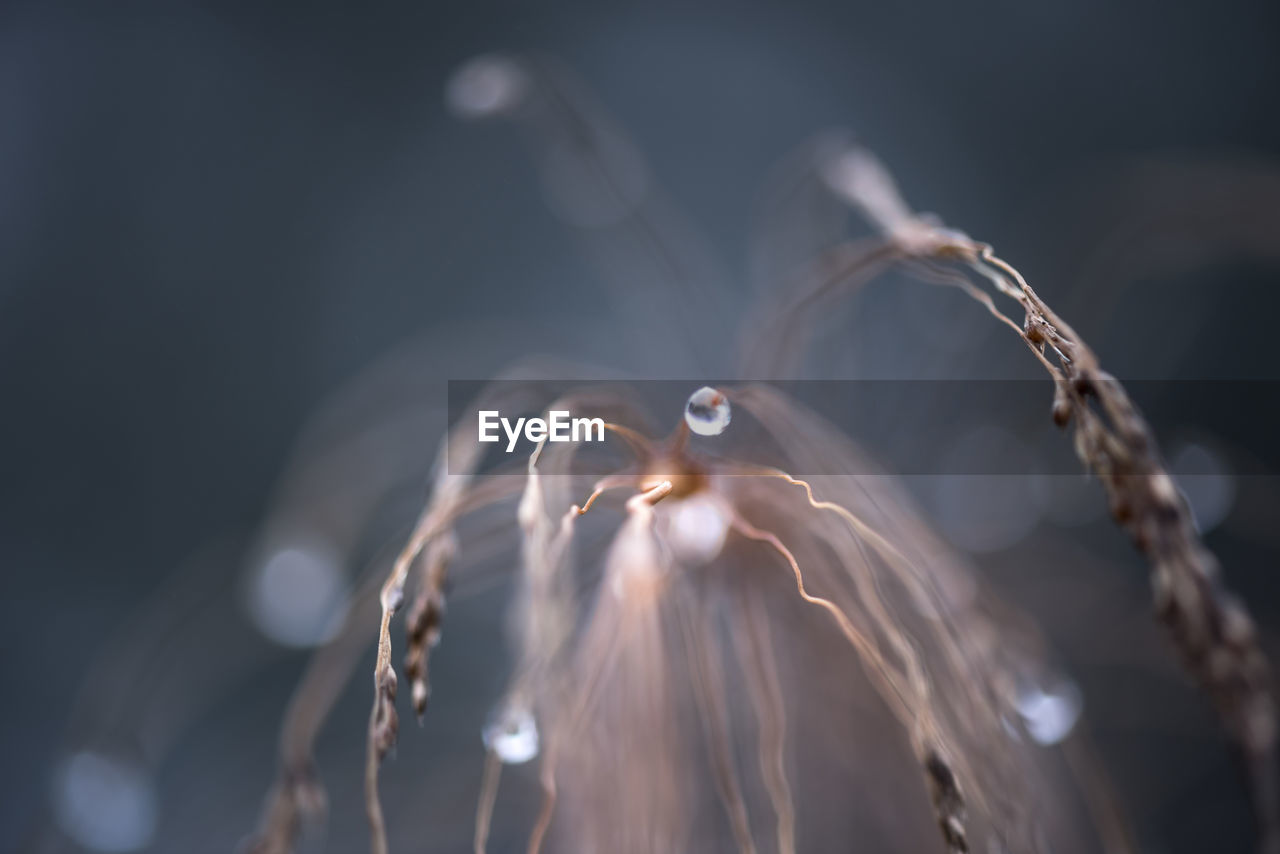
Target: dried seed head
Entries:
(426, 618)
(386, 723)
(424, 633)
(307, 791)
(1061, 407)
(948, 802)
(1084, 384)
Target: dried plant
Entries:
(1210, 627)
(672, 652)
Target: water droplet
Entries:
(104, 803)
(512, 734)
(707, 412)
(486, 86)
(1049, 712)
(698, 527)
(298, 597)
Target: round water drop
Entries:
(486, 86)
(1050, 713)
(104, 803)
(698, 528)
(298, 596)
(512, 734)
(707, 412)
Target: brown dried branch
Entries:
(425, 618)
(630, 561)
(948, 803)
(289, 806)
(433, 540)
(1210, 627)
(754, 647)
(295, 797)
(434, 535)
(702, 647)
(384, 722)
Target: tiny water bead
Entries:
(298, 597)
(698, 526)
(1049, 711)
(105, 803)
(486, 86)
(707, 413)
(512, 734)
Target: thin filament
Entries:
(880, 671)
(488, 797)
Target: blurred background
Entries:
(217, 220)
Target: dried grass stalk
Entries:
(426, 616)
(908, 695)
(435, 525)
(298, 797)
(948, 803)
(1210, 627)
(942, 682)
